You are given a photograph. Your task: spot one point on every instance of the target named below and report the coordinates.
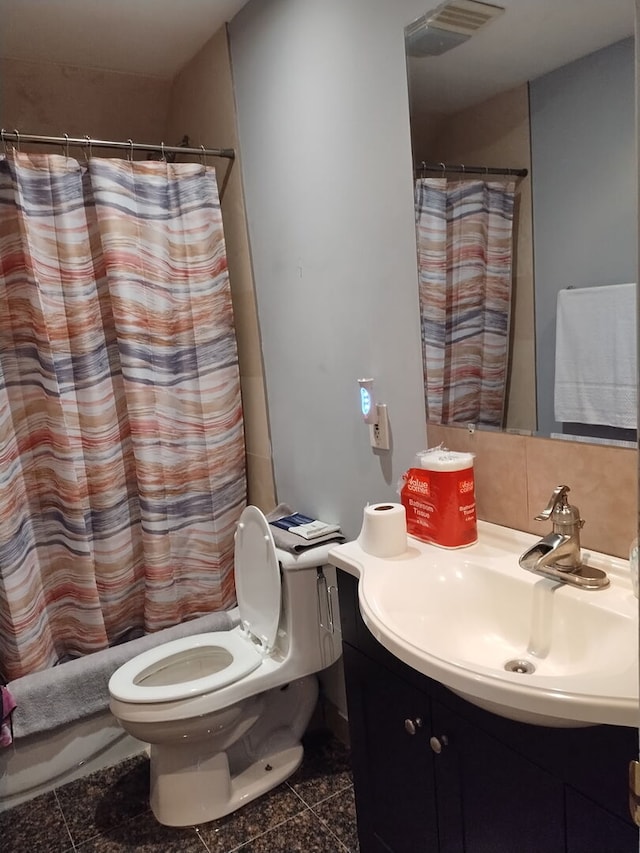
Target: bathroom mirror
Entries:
(548, 87)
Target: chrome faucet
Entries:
(567, 524)
(558, 555)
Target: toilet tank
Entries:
(310, 618)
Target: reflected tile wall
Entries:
(516, 474)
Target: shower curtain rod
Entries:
(129, 145)
(445, 168)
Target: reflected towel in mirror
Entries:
(595, 381)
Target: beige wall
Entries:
(516, 474)
(51, 100)
(496, 133)
(202, 106)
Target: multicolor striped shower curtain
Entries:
(464, 236)
(122, 465)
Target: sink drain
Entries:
(522, 666)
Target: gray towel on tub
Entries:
(71, 691)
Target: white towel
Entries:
(596, 356)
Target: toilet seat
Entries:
(204, 663)
(229, 656)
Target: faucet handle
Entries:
(559, 496)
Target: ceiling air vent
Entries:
(447, 26)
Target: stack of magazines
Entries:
(295, 532)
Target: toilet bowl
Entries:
(224, 711)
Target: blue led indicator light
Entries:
(365, 401)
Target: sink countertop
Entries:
(459, 615)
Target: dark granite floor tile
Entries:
(302, 834)
(144, 835)
(105, 798)
(254, 818)
(35, 827)
(325, 770)
(107, 812)
(338, 812)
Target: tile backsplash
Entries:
(516, 474)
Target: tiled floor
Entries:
(108, 812)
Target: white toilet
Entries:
(224, 711)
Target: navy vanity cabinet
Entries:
(392, 763)
(467, 781)
(490, 799)
(389, 722)
(591, 828)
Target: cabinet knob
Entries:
(437, 744)
(412, 726)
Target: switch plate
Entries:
(379, 432)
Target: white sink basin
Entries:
(468, 617)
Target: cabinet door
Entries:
(591, 829)
(490, 799)
(392, 768)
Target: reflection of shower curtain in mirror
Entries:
(121, 434)
(464, 235)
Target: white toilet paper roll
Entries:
(384, 530)
(441, 459)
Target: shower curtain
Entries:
(464, 237)
(122, 466)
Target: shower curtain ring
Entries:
(462, 167)
(162, 155)
(4, 141)
(66, 145)
(130, 155)
(203, 157)
(17, 136)
(88, 156)
(444, 169)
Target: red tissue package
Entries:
(439, 498)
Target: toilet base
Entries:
(176, 798)
(193, 783)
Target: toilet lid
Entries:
(257, 576)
